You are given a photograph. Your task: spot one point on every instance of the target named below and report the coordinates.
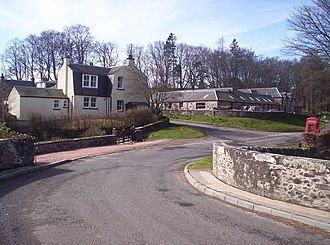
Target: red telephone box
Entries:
(312, 125)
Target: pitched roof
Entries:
(21, 83)
(90, 69)
(273, 91)
(40, 92)
(216, 94)
(191, 95)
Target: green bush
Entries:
(6, 133)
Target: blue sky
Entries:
(259, 25)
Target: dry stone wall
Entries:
(72, 144)
(236, 113)
(298, 180)
(16, 153)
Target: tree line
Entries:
(171, 65)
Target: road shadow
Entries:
(11, 184)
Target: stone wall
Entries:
(233, 113)
(303, 181)
(16, 153)
(154, 126)
(72, 144)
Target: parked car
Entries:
(254, 108)
(273, 110)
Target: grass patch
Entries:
(176, 132)
(203, 163)
(277, 125)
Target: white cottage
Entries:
(83, 90)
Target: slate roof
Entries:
(90, 69)
(216, 94)
(191, 95)
(40, 92)
(21, 83)
(273, 91)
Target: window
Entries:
(120, 84)
(93, 103)
(56, 105)
(120, 105)
(89, 81)
(200, 105)
(89, 102)
(180, 104)
(65, 103)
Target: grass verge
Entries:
(202, 163)
(276, 125)
(176, 132)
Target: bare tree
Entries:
(16, 60)
(106, 53)
(312, 27)
(79, 43)
(314, 84)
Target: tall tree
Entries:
(314, 86)
(79, 43)
(16, 59)
(105, 53)
(235, 59)
(312, 26)
(171, 58)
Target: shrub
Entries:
(6, 133)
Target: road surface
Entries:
(136, 197)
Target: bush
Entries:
(321, 142)
(6, 133)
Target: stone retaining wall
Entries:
(72, 144)
(154, 126)
(16, 153)
(298, 180)
(232, 113)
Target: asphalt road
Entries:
(135, 197)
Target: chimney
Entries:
(66, 63)
(130, 60)
(66, 60)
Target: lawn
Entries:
(203, 163)
(277, 125)
(176, 132)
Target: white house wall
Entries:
(102, 110)
(134, 86)
(65, 82)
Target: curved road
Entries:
(135, 197)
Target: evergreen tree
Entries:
(171, 58)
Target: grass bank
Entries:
(176, 132)
(203, 163)
(276, 125)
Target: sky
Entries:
(259, 25)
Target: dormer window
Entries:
(89, 81)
